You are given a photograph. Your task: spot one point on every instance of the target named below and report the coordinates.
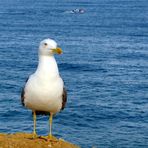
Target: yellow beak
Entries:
(57, 50)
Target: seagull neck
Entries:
(47, 66)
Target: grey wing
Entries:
(64, 98)
(23, 94)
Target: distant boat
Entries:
(76, 11)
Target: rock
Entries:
(25, 140)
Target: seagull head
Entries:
(49, 47)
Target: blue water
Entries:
(104, 66)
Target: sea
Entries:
(104, 66)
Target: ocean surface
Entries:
(104, 66)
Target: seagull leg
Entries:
(34, 125)
(50, 137)
(50, 125)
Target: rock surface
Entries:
(25, 140)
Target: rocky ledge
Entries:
(25, 140)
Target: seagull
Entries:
(44, 91)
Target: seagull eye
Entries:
(45, 44)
